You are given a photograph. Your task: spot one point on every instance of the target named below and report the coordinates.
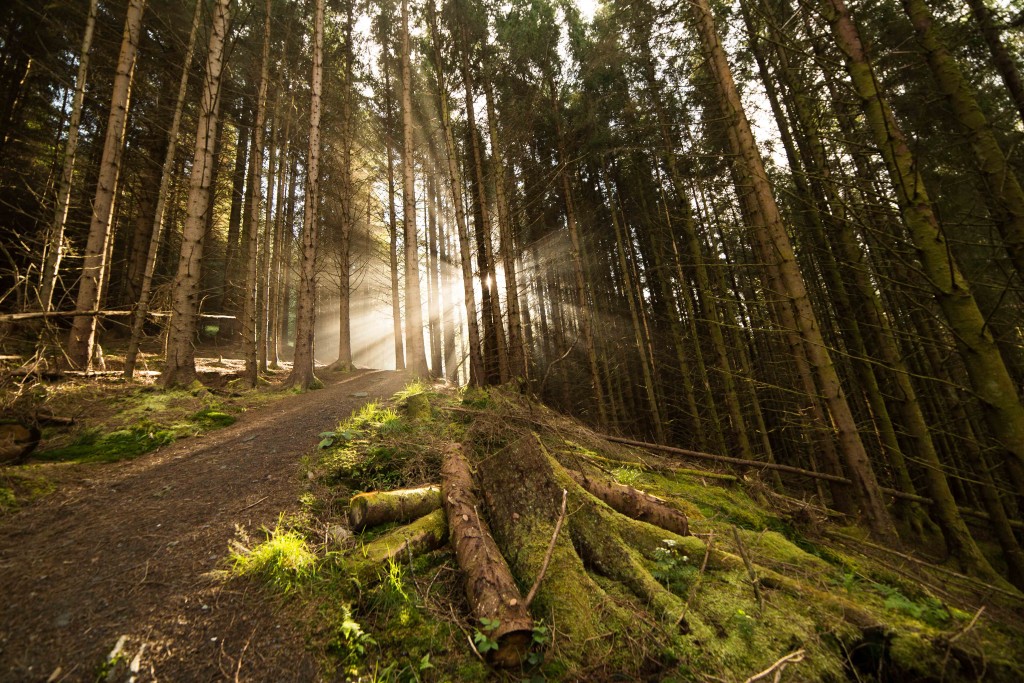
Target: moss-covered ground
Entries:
(114, 420)
(841, 608)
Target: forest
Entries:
(780, 238)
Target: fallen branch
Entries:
(551, 549)
(725, 458)
(36, 315)
(754, 581)
(791, 658)
(490, 589)
(929, 565)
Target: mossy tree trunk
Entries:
(989, 376)
(779, 249)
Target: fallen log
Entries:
(427, 533)
(403, 505)
(490, 588)
(634, 503)
(36, 315)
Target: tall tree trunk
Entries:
(476, 365)
(179, 368)
(495, 353)
(1002, 189)
(986, 369)
(277, 263)
(347, 207)
(433, 280)
(83, 329)
(416, 355)
(166, 174)
(266, 251)
(229, 286)
(53, 250)
(250, 314)
(851, 446)
(646, 361)
(517, 366)
(1001, 57)
(396, 301)
(302, 375)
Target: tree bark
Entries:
(303, 375)
(179, 368)
(416, 359)
(986, 369)
(849, 440)
(166, 174)
(53, 249)
(1001, 57)
(1002, 190)
(94, 266)
(476, 365)
(252, 220)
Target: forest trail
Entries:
(127, 552)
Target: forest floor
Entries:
(125, 555)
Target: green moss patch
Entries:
(635, 602)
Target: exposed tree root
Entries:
(634, 503)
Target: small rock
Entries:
(63, 621)
(360, 394)
(339, 535)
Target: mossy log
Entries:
(380, 507)
(427, 533)
(490, 588)
(634, 503)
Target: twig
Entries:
(253, 504)
(791, 658)
(552, 364)
(958, 634)
(754, 581)
(238, 667)
(696, 584)
(547, 555)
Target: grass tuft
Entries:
(284, 560)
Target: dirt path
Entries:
(127, 551)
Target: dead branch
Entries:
(777, 667)
(754, 581)
(551, 549)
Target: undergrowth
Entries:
(407, 619)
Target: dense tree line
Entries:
(787, 230)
